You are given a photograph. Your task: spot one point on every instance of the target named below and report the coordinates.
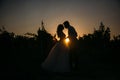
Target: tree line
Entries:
(25, 53)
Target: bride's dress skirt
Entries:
(58, 59)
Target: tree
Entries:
(102, 35)
(45, 40)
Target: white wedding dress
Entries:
(58, 58)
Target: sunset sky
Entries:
(21, 16)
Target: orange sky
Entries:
(21, 16)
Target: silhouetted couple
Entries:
(62, 57)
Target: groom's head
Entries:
(66, 24)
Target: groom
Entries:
(72, 35)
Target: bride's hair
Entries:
(59, 31)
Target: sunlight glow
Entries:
(67, 40)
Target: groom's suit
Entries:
(72, 35)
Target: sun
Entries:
(67, 40)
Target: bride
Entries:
(58, 58)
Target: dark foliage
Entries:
(21, 56)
